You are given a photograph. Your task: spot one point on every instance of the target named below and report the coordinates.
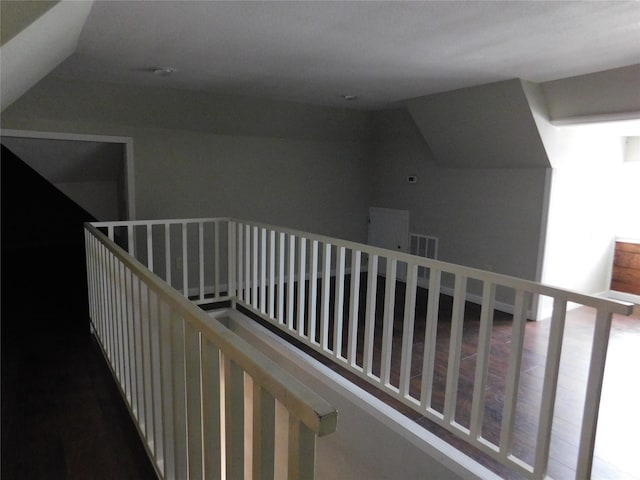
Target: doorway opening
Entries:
(593, 202)
(95, 171)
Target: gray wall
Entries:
(489, 218)
(312, 168)
(100, 199)
(609, 94)
(204, 155)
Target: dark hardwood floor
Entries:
(63, 416)
(616, 452)
(62, 413)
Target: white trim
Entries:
(129, 178)
(224, 287)
(536, 307)
(598, 118)
(62, 136)
(546, 311)
(208, 290)
(477, 299)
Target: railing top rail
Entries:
(160, 221)
(600, 303)
(613, 306)
(317, 414)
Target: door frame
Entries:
(403, 218)
(127, 142)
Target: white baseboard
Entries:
(423, 283)
(209, 290)
(477, 299)
(547, 309)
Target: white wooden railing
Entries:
(339, 298)
(206, 404)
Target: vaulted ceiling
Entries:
(317, 51)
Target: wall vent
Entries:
(423, 246)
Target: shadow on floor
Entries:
(62, 413)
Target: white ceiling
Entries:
(383, 52)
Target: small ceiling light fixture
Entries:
(350, 97)
(163, 71)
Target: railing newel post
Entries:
(593, 394)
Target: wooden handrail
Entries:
(615, 306)
(263, 259)
(317, 414)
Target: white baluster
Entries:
(388, 319)
(549, 388)
(512, 382)
(370, 315)
(326, 292)
(482, 362)
(407, 329)
(354, 301)
(193, 367)
(254, 270)
(185, 261)
(281, 257)
(263, 271)
(302, 259)
(211, 408)
(455, 344)
(234, 420)
(291, 264)
(339, 302)
(272, 274)
(216, 261)
(313, 292)
(201, 261)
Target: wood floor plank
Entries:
(615, 456)
(62, 414)
(60, 400)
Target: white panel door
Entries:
(389, 228)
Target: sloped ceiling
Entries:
(488, 126)
(33, 52)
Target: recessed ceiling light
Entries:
(350, 97)
(163, 71)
